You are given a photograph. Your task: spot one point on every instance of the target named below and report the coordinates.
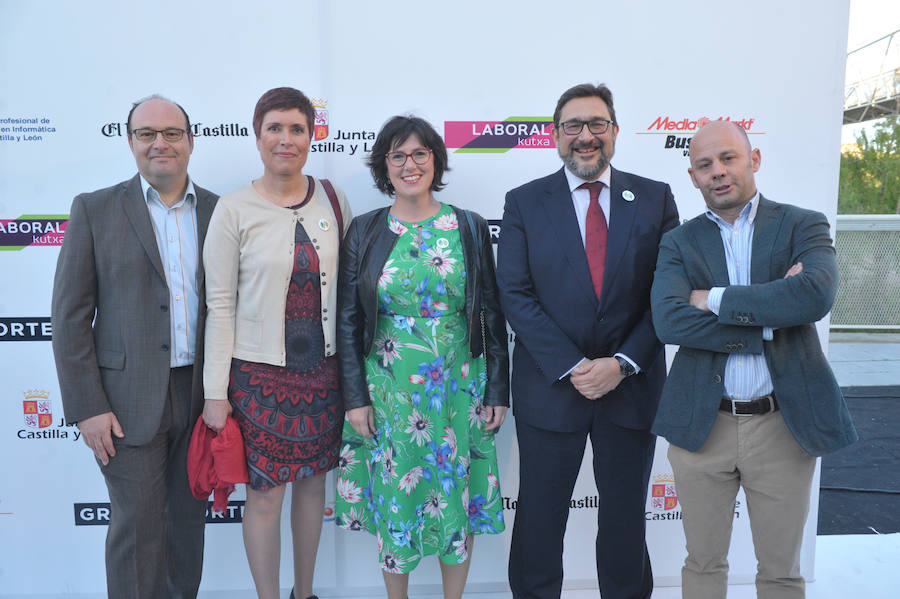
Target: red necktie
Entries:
(595, 234)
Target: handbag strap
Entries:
(335, 207)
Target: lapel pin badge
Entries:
(627, 195)
(324, 224)
(442, 242)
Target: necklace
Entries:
(288, 200)
(418, 237)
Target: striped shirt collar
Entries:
(189, 194)
(748, 213)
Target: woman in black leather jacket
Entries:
(424, 367)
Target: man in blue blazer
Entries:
(750, 399)
(575, 265)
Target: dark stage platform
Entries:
(860, 485)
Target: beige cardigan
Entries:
(248, 259)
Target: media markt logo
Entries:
(37, 408)
(497, 137)
(678, 131)
(32, 230)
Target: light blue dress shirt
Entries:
(746, 375)
(177, 240)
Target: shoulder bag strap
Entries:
(335, 207)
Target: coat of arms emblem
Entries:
(37, 408)
(320, 127)
(662, 492)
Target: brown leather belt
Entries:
(757, 405)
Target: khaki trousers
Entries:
(760, 454)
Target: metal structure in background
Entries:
(873, 73)
(868, 255)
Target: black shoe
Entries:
(310, 597)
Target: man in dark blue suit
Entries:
(575, 266)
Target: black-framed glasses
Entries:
(575, 126)
(398, 159)
(148, 135)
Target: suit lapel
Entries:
(561, 216)
(621, 221)
(136, 210)
(205, 206)
(709, 244)
(765, 232)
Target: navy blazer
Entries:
(549, 300)
(693, 257)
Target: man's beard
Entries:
(589, 172)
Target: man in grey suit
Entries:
(750, 399)
(128, 315)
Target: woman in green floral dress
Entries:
(423, 351)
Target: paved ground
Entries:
(865, 359)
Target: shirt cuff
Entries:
(637, 368)
(569, 371)
(714, 299)
(768, 333)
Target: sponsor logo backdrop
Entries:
(62, 117)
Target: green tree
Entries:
(870, 174)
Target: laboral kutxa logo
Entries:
(32, 230)
(496, 137)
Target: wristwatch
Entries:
(625, 367)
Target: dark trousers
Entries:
(549, 462)
(154, 545)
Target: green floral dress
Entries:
(429, 477)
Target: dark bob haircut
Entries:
(394, 133)
(187, 120)
(283, 98)
(585, 90)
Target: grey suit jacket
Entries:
(110, 311)
(692, 257)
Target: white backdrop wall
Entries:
(71, 71)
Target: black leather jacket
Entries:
(365, 250)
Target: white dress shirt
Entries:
(581, 199)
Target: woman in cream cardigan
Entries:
(271, 258)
